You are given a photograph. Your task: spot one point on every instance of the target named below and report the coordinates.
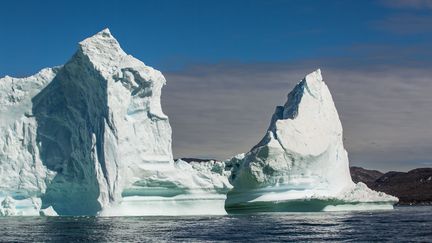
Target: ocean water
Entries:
(404, 224)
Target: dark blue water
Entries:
(403, 224)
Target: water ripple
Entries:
(404, 224)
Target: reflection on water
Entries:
(401, 224)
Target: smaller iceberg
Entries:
(301, 163)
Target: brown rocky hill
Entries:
(412, 188)
(368, 177)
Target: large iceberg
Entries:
(301, 163)
(90, 138)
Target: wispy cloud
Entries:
(410, 4)
(407, 17)
(406, 23)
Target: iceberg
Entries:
(90, 138)
(99, 122)
(301, 163)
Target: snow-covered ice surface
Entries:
(90, 138)
(301, 164)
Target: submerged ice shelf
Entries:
(90, 138)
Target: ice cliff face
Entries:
(300, 157)
(23, 174)
(97, 119)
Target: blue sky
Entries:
(376, 57)
(174, 34)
